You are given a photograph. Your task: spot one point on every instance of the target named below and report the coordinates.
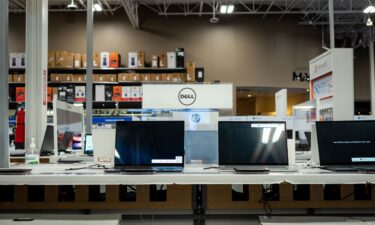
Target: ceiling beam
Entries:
(131, 9)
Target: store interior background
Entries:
(257, 54)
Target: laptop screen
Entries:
(346, 142)
(252, 143)
(150, 143)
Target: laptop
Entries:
(67, 139)
(48, 142)
(150, 146)
(253, 147)
(346, 146)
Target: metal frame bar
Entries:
(372, 75)
(4, 111)
(89, 68)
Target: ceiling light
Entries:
(249, 95)
(223, 9)
(369, 22)
(97, 7)
(369, 9)
(230, 9)
(72, 5)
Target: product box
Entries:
(126, 94)
(62, 93)
(199, 75)
(108, 93)
(19, 78)
(80, 93)
(70, 95)
(96, 60)
(178, 77)
(134, 94)
(155, 61)
(171, 60)
(156, 77)
(84, 60)
(117, 93)
(111, 77)
(51, 59)
(180, 58)
(55, 77)
(69, 60)
(133, 60)
(68, 78)
(141, 59)
(166, 77)
(50, 94)
(135, 77)
(60, 59)
(21, 60)
(163, 60)
(77, 60)
(20, 94)
(99, 78)
(10, 78)
(79, 78)
(123, 77)
(100, 93)
(146, 77)
(140, 93)
(104, 59)
(13, 57)
(190, 72)
(114, 60)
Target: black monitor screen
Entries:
(252, 143)
(346, 142)
(141, 143)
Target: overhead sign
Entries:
(187, 96)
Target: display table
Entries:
(60, 174)
(316, 220)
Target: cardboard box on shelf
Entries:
(156, 77)
(84, 60)
(100, 93)
(163, 60)
(180, 58)
(50, 94)
(104, 59)
(13, 60)
(10, 78)
(99, 78)
(60, 59)
(96, 60)
(55, 92)
(116, 93)
(155, 61)
(80, 93)
(69, 60)
(55, 77)
(178, 77)
(134, 93)
(70, 95)
(51, 59)
(171, 60)
(114, 60)
(135, 77)
(68, 77)
(20, 94)
(79, 78)
(21, 60)
(19, 78)
(141, 59)
(111, 78)
(146, 77)
(133, 60)
(190, 72)
(77, 60)
(166, 77)
(108, 93)
(126, 93)
(123, 77)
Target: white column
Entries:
(4, 112)
(36, 70)
(372, 77)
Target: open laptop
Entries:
(148, 146)
(346, 146)
(67, 139)
(253, 146)
(48, 142)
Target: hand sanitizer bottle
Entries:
(32, 155)
(12, 146)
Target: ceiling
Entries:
(350, 27)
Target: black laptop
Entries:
(253, 146)
(346, 146)
(148, 146)
(48, 142)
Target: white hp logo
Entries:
(187, 96)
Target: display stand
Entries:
(332, 84)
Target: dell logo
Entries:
(187, 96)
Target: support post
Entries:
(331, 24)
(36, 70)
(89, 69)
(4, 105)
(372, 77)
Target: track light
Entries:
(72, 5)
(369, 9)
(230, 9)
(226, 9)
(223, 9)
(369, 22)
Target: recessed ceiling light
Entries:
(249, 95)
(369, 9)
(230, 9)
(97, 7)
(223, 9)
